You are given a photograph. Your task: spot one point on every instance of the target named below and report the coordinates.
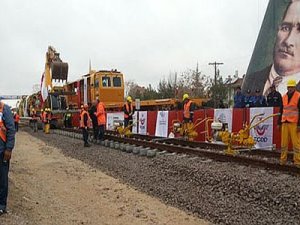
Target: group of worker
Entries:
(95, 117)
(45, 116)
(257, 99)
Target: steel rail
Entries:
(207, 150)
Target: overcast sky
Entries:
(144, 39)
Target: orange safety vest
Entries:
(290, 109)
(186, 110)
(128, 109)
(82, 119)
(43, 117)
(17, 118)
(2, 126)
(101, 114)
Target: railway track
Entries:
(257, 157)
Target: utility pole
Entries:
(215, 64)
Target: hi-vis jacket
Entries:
(290, 111)
(85, 120)
(187, 110)
(7, 128)
(101, 114)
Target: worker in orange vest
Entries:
(101, 118)
(34, 120)
(128, 112)
(17, 121)
(43, 118)
(290, 123)
(85, 124)
(7, 142)
(188, 109)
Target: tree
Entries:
(192, 82)
(150, 93)
(216, 92)
(167, 88)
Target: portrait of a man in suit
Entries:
(286, 56)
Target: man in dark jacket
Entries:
(92, 112)
(7, 142)
(274, 99)
(239, 98)
(259, 99)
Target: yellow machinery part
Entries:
(47, 128)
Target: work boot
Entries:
(87, 145)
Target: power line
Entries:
(215, 64)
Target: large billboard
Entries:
(276, 56)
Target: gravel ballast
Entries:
(223, 193)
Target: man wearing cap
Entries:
(274, 98)
(85, 123)
(188, 109)
(128, 112)
(289, 121)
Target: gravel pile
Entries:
(223, 193)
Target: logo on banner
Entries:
(142, 120)
(260, 130)
(222, 118)
(163, 118)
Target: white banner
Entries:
(112, 118)
(44, 91)
(134, 120)
(224, 116)
(143, 122)
(161, 129)
(262, 133)
(85, 94)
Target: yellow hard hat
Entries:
(185, 96)
(129, 99)
(291, 83)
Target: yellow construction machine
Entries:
(122, 130)
(242, 138)
(187, 130)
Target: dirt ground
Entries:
(48, 188)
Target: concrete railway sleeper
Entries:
(152, 146)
